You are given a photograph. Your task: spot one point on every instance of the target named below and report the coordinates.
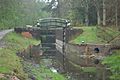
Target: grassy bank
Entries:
(113, 63)
(9, 61)
(89, 35)
(96, 35)
(11, 64)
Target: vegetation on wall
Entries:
(113, 62)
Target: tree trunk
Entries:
(98, 17)
(104, 13)
(86, 16)
(58, 9)
(116, 13)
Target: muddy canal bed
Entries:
(39, 68)
(36, 67)
(46, 67)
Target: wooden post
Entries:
(63, 48)
(86, 54)
(103, 73)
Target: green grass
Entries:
(18, 42)
(108, 34)
(4, 69)
(96, 35)
(88, 35)
(89, 69)
(113, 62)
(84, 69)
(9, 61)
(42, 72)
(112, 31)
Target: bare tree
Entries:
(116, 13)
(97, 4)
(104, 13)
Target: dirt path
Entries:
(2, 34)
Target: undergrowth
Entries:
(9, 61)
